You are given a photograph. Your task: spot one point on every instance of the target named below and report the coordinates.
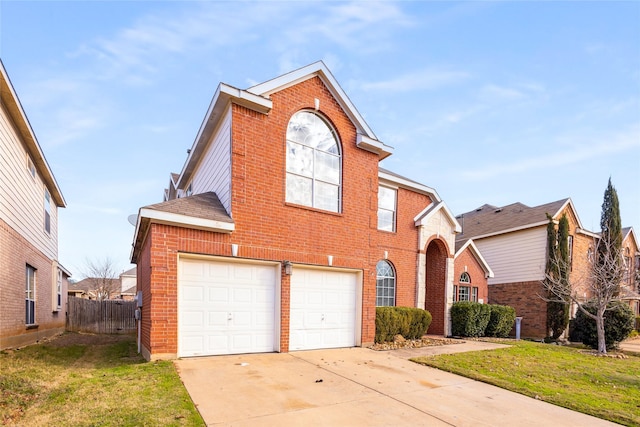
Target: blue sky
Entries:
(487, 102)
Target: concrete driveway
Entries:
(357, 387)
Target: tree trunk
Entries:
(602, 344)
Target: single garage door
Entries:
(323, 309)
(225, 307)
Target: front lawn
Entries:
(605, 387)
(100, 382)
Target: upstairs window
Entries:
(385, 285)
(59, 290)
(313, 163)
(30, 296)
(47, 211)
(31, 167)
(387, 208)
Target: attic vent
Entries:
(498, 210)
(479, 209)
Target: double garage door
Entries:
(234, 307)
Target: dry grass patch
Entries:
(81, 379)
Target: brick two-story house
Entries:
(33, 284)
(281, 232)
(513, 240)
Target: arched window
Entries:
(385, 284)
(313, 162)
(464, 291)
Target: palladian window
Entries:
(313, 163)
(385, 284)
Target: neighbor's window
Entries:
(47, 211)
(31, 167)
(59, 289)
(385, 284)
(30, 296)
(313, 162)
(387, 209)
(570, 247)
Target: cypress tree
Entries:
(611, 228)
(558, 268)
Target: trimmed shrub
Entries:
(411, 323)
(618, 324)
(469, 319)
(501, 321)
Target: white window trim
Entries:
(394, 211)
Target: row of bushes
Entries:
(472, 319)
(411, 323)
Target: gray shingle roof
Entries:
(203, 205)
(489, 219)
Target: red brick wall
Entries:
(523, 297)
(402, 246)
(437, 256)
(475, 271)
(15, 253)
(267, 227)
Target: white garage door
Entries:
(323, 309)
(225, 308)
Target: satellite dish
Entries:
(133, 219)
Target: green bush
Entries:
(411, 323)
(501, 321)
(618, 324)
(638, 323)
(469, 319)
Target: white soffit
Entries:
(406, 183)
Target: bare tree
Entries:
(102, 276)
(602, 282)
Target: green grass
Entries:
(97, 385)
(605, 387)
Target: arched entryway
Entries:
(436, 284)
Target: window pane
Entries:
(299, 159)
(327, 167)
(387, 198)
(463, 293)
(385, 220)
(326, 196)
(385, 284)
(474, 294)
(298, 190)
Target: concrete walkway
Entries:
(631, 345)
(357, 387)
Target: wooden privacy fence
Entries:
(101, 317)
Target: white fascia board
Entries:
(427, 213)
(510, 230)
(573, 209)
(224, 95)
(476, 253)
(410, 185)
(587, 233)
(374, 146)
(161, 217)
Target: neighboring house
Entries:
(282, 232)
(471, 274)
(96, 288)
(513, 240)
(631, 281)
(33, 284)
(128, 284)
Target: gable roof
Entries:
(424, 216)
(402, 181)
(202, 211)
(11, 102)
(460, 248)
(629, 232)
(257, 98)
(489, 220)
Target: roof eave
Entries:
(423, 189)
(510, 230)
(147, 216)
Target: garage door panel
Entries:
(323, 309)
(239, 308)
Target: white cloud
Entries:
(581, 149)
(427, 79)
